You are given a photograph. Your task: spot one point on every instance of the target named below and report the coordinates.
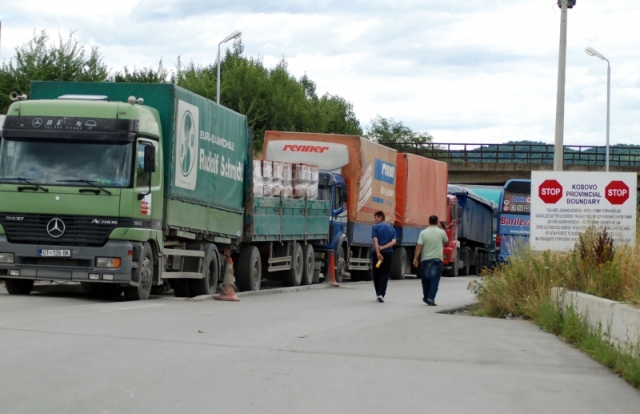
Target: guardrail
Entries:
(623, 156)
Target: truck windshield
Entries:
(50, 162)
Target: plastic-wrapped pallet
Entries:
(262, 178)
(312, 189)
(276, 181)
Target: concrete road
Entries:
(319, 351)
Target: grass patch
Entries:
(596, 266)
(621, 361)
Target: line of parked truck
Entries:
(137, 187)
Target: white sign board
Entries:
(565, 203)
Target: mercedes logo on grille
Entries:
(55, 228)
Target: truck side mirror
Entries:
(149, 159)
(345, 192)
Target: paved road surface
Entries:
(318, 351)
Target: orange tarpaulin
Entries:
(370, 172)
(421, 190)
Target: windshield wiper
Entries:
(91, 183)
(25, 180)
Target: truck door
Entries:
(147, 183)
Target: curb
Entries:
(265, 292)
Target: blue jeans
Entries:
(431, 271)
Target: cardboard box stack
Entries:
(282, 179)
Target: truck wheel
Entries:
(309, 264)
(211, 270)
(464, 269)
(293, 276)
(341, 263)
(18, 287)
(145, 281)
(249, 266)
(398, 263)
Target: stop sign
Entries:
(550, 191)
(616, 192)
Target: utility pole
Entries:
(558, 154)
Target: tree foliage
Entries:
(271, 98)
(395, 134)
(39, 60)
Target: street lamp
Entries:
(558, 153)
(592, 52)
(233, 35)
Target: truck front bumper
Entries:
(80, 267)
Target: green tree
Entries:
(144, 75)
(395, 134)
(39, 60)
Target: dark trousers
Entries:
(381, 274)
(430, 271)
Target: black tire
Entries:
(464, 269)
(476, 265)
(145, 280)
(18, 287)
(341, 263)
(398, 263)
(181, 288)
(293, 276)
(309, 264)
(249, 269)
(211, 269)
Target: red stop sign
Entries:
(550, 191)
(616, 192)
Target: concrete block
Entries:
(617, 322)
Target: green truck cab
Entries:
(123, 186)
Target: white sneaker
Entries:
(380, 299)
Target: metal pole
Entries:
(608, 102)
(558, 153)
(218, 77)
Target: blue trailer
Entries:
(475, 224)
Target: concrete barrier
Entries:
(618, 322)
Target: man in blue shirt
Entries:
(384, 238)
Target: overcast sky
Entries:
(474, 71)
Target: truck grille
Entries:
(38, 229)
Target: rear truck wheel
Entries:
(464, 269)
(341, 263)
(309, 264)
(398, 263)
(145, 279)
(293, 276)
(18, 287)
(211, 272)
(475, 266)
(249, 269)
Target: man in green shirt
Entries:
(430, 244)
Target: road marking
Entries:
(82, 314)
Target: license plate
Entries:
(55, 253)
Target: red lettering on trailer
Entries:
(305, 148)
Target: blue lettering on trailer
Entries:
(385, 172)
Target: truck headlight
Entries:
(6, 258)
(112, 262)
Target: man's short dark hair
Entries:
(433, 219)
(380, 214)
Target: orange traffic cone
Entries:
(332, 270)
(228, 284)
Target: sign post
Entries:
(564, 204)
